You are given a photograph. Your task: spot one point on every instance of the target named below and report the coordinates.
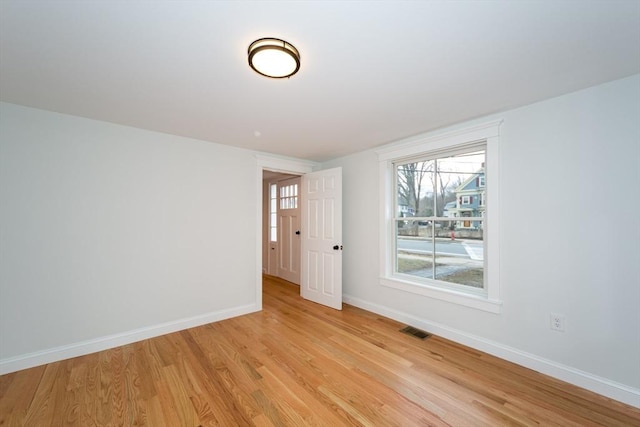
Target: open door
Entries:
(322, 237)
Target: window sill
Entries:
(478, 302)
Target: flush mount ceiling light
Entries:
(274, 58)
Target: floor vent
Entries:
(418, 333)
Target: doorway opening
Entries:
(281, 225)
(319, 197)
(267, 165)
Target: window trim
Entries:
(489, 133)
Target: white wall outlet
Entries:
(557, 322)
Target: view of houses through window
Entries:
(440, 216)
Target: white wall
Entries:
(111, 234)
(570, 242)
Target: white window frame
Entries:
(466, 200)
(489, 133)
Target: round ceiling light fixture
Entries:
(274, 58)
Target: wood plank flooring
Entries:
(297, 363)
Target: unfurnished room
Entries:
(319, 213)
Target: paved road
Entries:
(467, 249)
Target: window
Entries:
(273, 212)
(289, 196)
(288, 200)
(427, 246)
(439, 179)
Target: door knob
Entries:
(298, 232)
(337, 248)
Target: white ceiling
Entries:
(372, 72)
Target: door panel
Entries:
(321, 235)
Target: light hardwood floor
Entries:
(295, 364)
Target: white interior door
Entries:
(322, 237)
(289, 230)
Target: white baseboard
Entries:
(602, 386)
(56, 354)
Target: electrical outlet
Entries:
(557, 322)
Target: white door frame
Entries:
(276, 164)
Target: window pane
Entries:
(460, 180)
(415, 186)
(460, 254)
(273, 217)
(414, 256)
